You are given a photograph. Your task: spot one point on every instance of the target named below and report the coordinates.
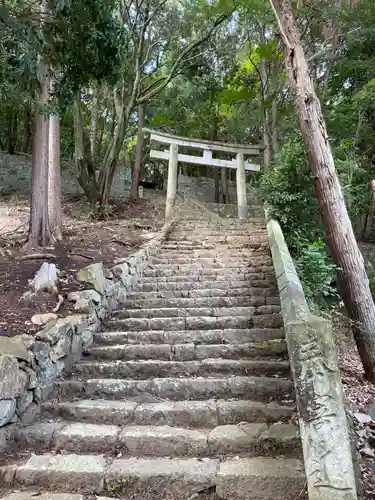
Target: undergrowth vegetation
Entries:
(288, 189)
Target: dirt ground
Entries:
(86, 240)
(360, 398)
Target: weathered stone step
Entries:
(93, 474)
(261, 478)
(218, 247)
(191, 414)
(206, 262)
(247, 439)
(225, 259)
(153, 301)
(240, 241)
(263, 389)
(199, 274)
(256, 478)
(169, 312)
(209, 280)
(206, 293)
(189, 351)
(226, 336)
(197, 322)
(204, 368)
(223, 253)
(223, 237)
(155, 285)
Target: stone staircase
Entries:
(186, 393)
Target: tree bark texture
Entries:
(224, 185)
(94, 124)
(84, 167)
(54, 179)
(353, 280)
(138, 153)
(39, 227)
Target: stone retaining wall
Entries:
(203, 188)
(322, 417)
(30, 365)
(15, 177)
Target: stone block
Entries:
(55, 331)
(182, 476)
(14, 346)
(163, 441)
(7, 411)
(77, 473)
(87, 437)
(260, 479)
(23, 402)
(13, 381)
(96, 275)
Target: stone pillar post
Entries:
(241, 187)
(172, 180)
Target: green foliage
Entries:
(289, 191)
(90, 24)
(316, 271)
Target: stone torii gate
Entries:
(239, 151)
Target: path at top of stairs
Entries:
(186, 392)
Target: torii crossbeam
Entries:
(239, 151)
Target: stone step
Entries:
(190, 414)
(93, 474)
(209, 280)
(247, 439)
(204, 368)
(156, 285)
(197, 322)
(194, 274)
(153, 301)
(206, 262)
(226, 336)
(189, 351)
(225, 259)
(199, 274)
(223, 237)
(223, 253)
(263, 389)
(261, 478)
(244, 241)
(206, 293)
(217, 247)
(256, 478)
(169, 312)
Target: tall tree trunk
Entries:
(274, 111)
(39, 228)
(12, 131)
(354, 283)
(109, 167)
(27, 131)
(94, 124)
(265, 116)
(84, 167)
(217, 184)
(224, 185)
(138, 153)
(54, 179)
